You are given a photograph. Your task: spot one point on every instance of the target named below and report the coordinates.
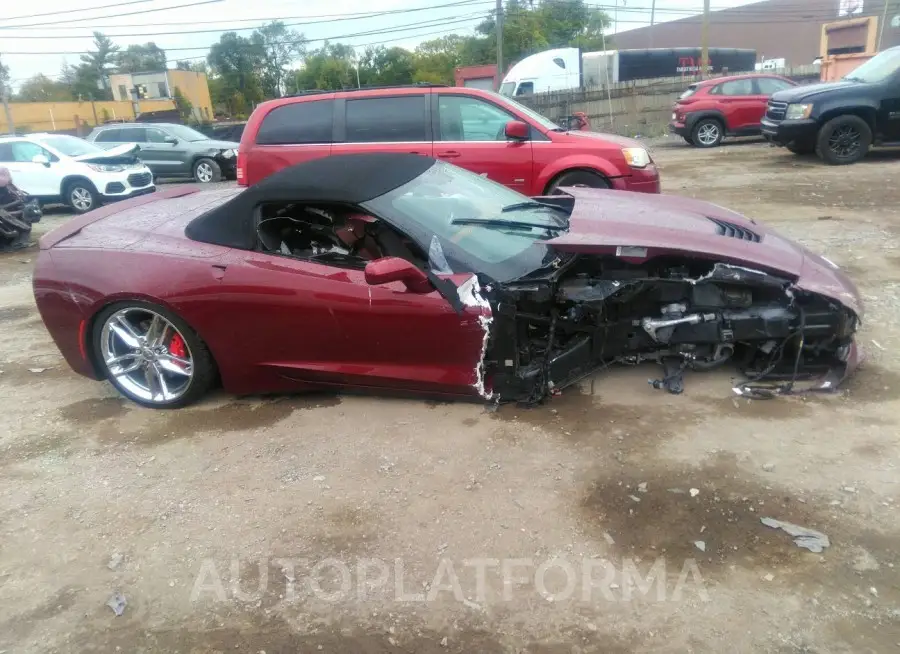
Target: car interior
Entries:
(331, 234)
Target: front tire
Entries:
(708, 133)
(151, 355)
(207, 171)
(844, 140)
(81, 196)
(577, 178)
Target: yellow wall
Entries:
(195, 88)
(50, 116)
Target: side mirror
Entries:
(395, 269)
(41, 159)
(171, 139)
(516, 130)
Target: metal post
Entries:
(883, 21)
(10, 125)
(500, 39)
(652, 17)
(704, 56)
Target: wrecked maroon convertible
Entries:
(396, 272)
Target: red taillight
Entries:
(242, 169)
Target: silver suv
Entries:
(171, 150)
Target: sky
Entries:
(33, 37)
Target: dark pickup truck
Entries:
(840, 121)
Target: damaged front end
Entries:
(555, 327)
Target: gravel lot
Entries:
(619, 519)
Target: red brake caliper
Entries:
(177, 347)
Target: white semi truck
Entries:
(569, 68)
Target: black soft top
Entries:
(345, 179)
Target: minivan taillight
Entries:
(242, 168)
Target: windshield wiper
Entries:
(853, 79)
(513, 224)
(531, 204)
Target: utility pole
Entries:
(500, 39)
(4, 95)
(883, 21)
(704, 45)
(652, 17)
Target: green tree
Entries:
(41, 88)
(281, 47)
(238, 63)
(386, 67)
(436, 60)
(184, 106)
(92, 77)
(141, 58)
(192, 66)
(330, 67)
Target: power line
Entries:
(70, 11)
(260, 21)
(131, 13)
(403, 28)
(254, 27)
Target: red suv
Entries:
(725, 106)
(478, 130)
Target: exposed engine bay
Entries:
(553, 329)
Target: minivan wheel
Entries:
(844, 140)
(81, 196)
(576, 178)
(707, 133)
(207, 171)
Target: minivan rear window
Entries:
(387, 120)
(299, 122)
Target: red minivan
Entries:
(478, 130)
(710, 110)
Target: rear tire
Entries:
(577, 178)
(81, 196)
(708, 133)
(844, 140)
(150, 352)
(207, 171)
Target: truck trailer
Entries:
(570, 68)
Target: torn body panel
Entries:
(553, 328)
(470, 296)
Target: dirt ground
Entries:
(614, 519)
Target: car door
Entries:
(739, 104)
(311, 323)
(39, 179)
(888, 119)
(169, 154)
(765, 88)
(470, 132)
(383, 123)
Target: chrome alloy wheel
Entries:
(708, 134)
(204, 173)
(81, 198)
(146, 355)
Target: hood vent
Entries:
(731, 230)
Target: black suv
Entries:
(840, 121)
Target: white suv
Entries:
(61, 168)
